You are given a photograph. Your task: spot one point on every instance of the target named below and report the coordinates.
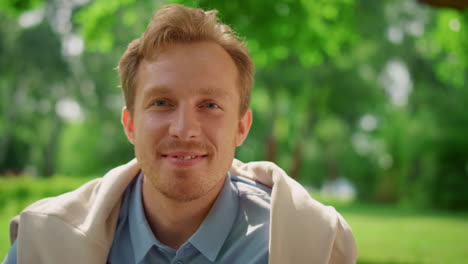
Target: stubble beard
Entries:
(184, 188)
(181, 188)
(174, 192)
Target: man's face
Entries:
(185, 124)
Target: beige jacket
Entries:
(78, 227)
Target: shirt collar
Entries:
(208, 239)
(210, 236)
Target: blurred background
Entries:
(363, 101)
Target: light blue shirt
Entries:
(236, 230)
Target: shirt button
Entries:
(179, 262)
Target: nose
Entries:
(185, 124)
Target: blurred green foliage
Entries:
(373, 91)
(15, 7)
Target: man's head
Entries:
(179, 24)
(187, 85)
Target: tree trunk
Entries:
(10, 107)
(271, 148)
(298, 148)
(271, 142)
(332, 168)
(50, 150)
(297, 159)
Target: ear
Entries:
(127, 123)
(245, 122)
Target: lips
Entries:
(184, 155)
(184, 158)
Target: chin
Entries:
(186, 185)
(182, 193)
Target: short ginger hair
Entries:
(180, 24)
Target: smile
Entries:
(185, 157)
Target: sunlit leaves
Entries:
(16, 7)
(98, 19)
(447, 44)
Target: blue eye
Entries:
(211, 105)
(161, 103)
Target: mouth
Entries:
(181, 157)
(184, 159)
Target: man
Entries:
(185, 199)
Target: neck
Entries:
(173, 222)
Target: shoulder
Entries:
(84, 208)
(11, 255)
(251, 193)
(101, 190)
(298, 221)
(57, 204)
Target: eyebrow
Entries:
(163, 90)
(213, 92)
(156, 90)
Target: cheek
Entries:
(226, 136)
(149, 129)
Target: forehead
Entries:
(202, 67)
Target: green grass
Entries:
(384, 234)
(388, 234)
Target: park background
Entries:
(365, 101)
